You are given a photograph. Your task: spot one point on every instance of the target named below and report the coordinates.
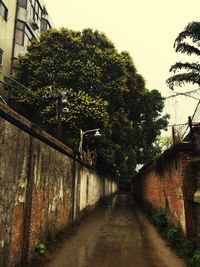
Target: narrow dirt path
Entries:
(115, 236)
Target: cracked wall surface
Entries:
(163, 184)
(43, 188)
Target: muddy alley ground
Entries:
(117, 235)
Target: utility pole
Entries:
(59, 123)
(191, 131)
(173, 135)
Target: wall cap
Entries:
(168, 154)
(31, 128)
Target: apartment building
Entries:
(20, 22)
(7, 26)
(31, 20)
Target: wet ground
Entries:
(117, 235)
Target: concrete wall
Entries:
(164, 183)
(43, 189)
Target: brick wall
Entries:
(162, 183)
(43, 188)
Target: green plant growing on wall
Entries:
(183, 247)
(195, 260)
(174, 236)
(159, 218)
(163, 142)
(178, 136)
(40, 248)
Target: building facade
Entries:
(31, 20)
(7, 26)
(20, 22)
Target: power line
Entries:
(12, 79)
(13, 87)
(174, 125)
(170, 125)
(172, 96)
(195, 109)
(192, 118)
(184, 94)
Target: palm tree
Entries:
(187, 42)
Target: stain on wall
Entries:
(43, 188)
(162, 183)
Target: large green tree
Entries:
(187, 42)
(104, 90)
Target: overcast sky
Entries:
(146, 29)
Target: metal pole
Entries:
(81, 139)
(81, 144)
(191, 130)
(173, 135)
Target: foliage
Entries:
(195, 260)
(40, 248)
(173, 235)
(186, 248)
(163, 142)
(159, 218)
(104, 90)
(183, 247)
(187, 42)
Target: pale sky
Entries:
(146, 29)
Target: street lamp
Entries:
(82, 133)
(62, 99)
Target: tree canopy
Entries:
(104, 91)
(187, 42)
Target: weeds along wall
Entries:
(164, 183)
(43, 189)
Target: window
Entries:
(22, 3)
(3, 11)
(23, 36)
(45, 25)
(28, 37)
(44, 11)
(36, 10)
(19, 32)
(36, 6)
(1, 56)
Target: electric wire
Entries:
(12, 79)
(165, 98)
(175, 94)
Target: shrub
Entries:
(174, 236)
(177, 240)
(40, 248)
(186, 248)
(195, 260)
(159, 218)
